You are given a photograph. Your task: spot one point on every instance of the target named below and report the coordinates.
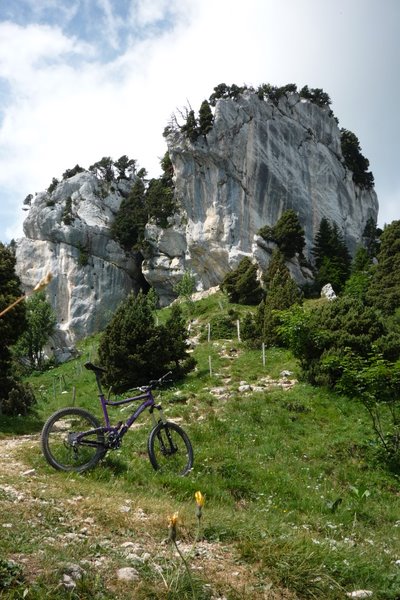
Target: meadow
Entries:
(299, 502)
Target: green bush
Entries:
(19, 401)
(223, 326)
(287, 234)
(241, 285)
(320, 337)
(376, 383)
(384, 290)
(133, 349)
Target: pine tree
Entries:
(160, 201)
(71, 172)
(355, 161)
(384, 291)
(190, 127)
(134, 349)
(332, 258)
(129, 344)
(205, 118)
(130, 221)
(322, 243)
(175, 348)
(289, 234)
(370, 237)
(241, 285)
(281, 293)
(103, 169)
(125, 167)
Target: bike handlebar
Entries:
(155, 382)
(152, 383)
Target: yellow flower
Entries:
(172, 522)
(200, 500)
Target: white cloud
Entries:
(65, 107)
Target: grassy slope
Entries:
(297, 505)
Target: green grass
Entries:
(296, 495)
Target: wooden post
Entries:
(209, 364)
(73, 395)
(263, 354)
(238, 330)
(209, 332)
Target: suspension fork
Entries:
(167, 446)
(161, 416)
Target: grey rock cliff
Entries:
(257, 161)
(68, 234)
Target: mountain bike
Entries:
(73, 439)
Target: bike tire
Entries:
(169, 449)
(58, 446)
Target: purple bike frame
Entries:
(147, 404)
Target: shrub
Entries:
(19, 401)
(186, 286)
(376, 383)
(41, 322)
(241, 285)
(134, 349)
(67, 217)
(320, 337)
(287, 234)
(384, 291)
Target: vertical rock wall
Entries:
(257, 161)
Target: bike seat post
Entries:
(98, 381)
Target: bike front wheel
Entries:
(65, 444)
(170, 450)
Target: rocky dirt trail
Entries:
(59, 518)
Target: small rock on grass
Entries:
(127, 574)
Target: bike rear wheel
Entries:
(62, 446)
(170, 450)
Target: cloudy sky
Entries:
(82, 79)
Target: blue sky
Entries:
(87, 78)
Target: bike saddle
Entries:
(91, 367)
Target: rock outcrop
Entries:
(68, 234)
(257, 161)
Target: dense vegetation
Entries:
(15, 397)
(298, 502)
(352, 344)
(145, 202)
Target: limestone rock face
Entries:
(68, 234)
(257, 161)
